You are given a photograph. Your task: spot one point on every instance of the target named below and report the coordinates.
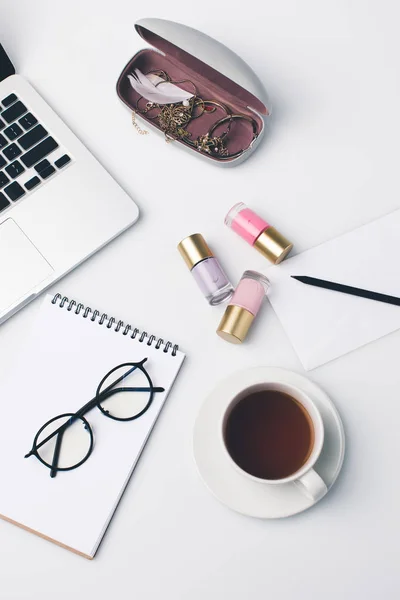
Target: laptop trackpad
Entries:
(22, 267)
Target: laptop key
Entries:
(2, 124)
(3, 141)
(38, 152)
(2, 161)
(32, 137)
(14, 191)
(12, 151)
(61, 162)
(47, 172)
(44, 164)
(16, 110)
(27, 121)
(14, 169)
(13, 131)
(3, 202)
(9, 100)
(32, 183)
(3, 179)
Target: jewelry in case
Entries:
(196, 91)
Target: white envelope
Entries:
(323, 324)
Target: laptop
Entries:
(58, 205)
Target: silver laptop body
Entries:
(58, 205)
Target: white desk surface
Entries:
(329, 164)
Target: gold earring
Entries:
(211, 145)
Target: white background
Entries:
(329, 164)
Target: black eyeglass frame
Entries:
(79, 414)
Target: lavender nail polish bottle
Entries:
(205, 269)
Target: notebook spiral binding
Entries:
(85, 311)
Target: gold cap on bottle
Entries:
(194, 249)
(235, 324)
(273, 245)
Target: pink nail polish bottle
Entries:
(258, 233)
(243, 307)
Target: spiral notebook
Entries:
(64, 359)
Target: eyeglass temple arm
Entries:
(60, 430)
(56, 455)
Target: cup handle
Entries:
(312, 485)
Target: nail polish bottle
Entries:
(205, 269)
(258, 233)
(243, 307)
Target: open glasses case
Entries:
(225, 90)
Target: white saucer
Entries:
(235, 490)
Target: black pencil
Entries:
(347, 289)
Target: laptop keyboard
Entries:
(29, 155)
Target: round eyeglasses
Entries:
(66, 441)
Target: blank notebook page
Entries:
(63, 361)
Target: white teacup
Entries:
(306, 478)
